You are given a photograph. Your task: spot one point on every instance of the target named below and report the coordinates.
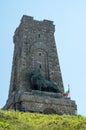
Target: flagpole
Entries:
(69, 90)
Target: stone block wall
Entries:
(34, 48)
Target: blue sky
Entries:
(69, 17)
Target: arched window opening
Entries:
(40, 66)
(39, 35)
(39, 54)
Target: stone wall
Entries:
(34, 48)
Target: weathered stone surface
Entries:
(43, 103)
(35, 49)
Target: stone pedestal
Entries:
(43, 102)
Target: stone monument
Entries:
(36, 82)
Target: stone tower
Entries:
(36, 83)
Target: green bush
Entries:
(15, 120)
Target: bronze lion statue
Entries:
(38, 82)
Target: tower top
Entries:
(29, 25)
(30, 18)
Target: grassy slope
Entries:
(11, 120)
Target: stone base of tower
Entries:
(42, 103)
